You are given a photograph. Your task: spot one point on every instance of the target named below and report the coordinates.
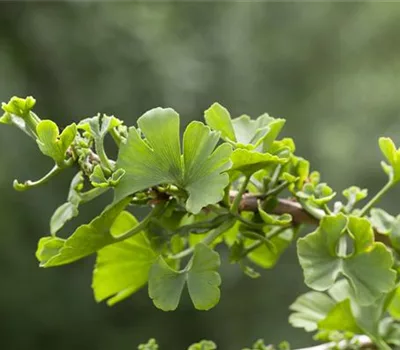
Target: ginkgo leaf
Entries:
(86, 239)
(218, 118)
(248, 162)
(18, 112)
(266, 257)
(165, 285)
(52, 143)
(392, 155)
(203, 280)
(310, 308)
(99, 126)
(368, 269)
(243, 131)
(366, 317)
(340, 318)
(158, 160)
(271, 219)
(122, 268)
(203, 345)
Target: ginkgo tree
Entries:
(228, 182)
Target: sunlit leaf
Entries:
(18, 112)
(392, 155)
(243, 131)
(53, 144)
(158, 160)
(122, 268)
(203, 345)
(87, 238)
(248, 162)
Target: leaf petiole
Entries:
(211, 236)
(238, 198)
(30, 184)
(156, 211)
(376, 198)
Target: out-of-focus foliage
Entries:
(331, 69)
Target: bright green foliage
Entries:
(157, 160)
(270, 219)
(18, 112)
(201, 276)
(86, 240)
(150, 345)
(367, 268)
(203, 345)
(248, 162)
(244, 132)
(230, 182)
(392, 155)
(52, 143)
(122, 268)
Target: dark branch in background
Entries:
(249, 202)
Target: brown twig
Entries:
(249, 202)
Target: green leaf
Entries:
(203, 345)
(340, 318)
(18, 112)
(63, 213)
(165, 285)
(99, 179)
(310, 308)
(99, 126)
(271, 219)
(157, 159)
(381, 220)
(367, 317)
(248, 162)
(353, 195)
(244, 132)
(394, 307)
(87, 238)
(368, 268)
(394, 234)
(392, 155)
(69, 209)
(203, 280)
(48, 247)
(218, 118)
(266, 257)
(150, 345)
(53, 144)
(318, 194)
(122, 268)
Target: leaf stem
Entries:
(315, 212)
(92, 194)
(238, 198)
(277, 189)
(211, 236)
(376, 198)
(157, 210)
(105, 162)
(30, 184)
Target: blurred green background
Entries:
(331, 69)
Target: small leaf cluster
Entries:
(227, 182)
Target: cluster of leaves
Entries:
(210, 345)
(224, 184)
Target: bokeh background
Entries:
(332, 69)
